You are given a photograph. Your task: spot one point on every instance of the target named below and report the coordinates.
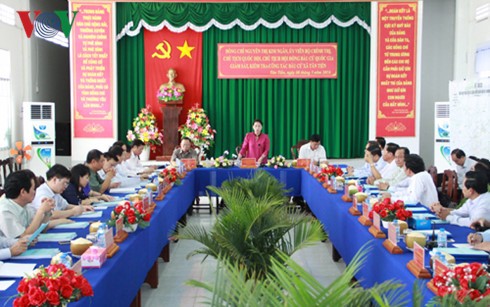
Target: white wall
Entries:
(14, 39)
(469, 34)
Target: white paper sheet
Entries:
(76, 225)
(15, 270)
(5, 284)
(56, 236)
(124, 190)
(38, 253)
(89, 215)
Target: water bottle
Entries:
(437, 255)
(443, 258)
(397, 229)
(442, 238)
(101, 235)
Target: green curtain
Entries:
(199, 14)
(130, 81)
(292, 109)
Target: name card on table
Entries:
(439, 268)
(303, 163)
(119, 225)
(375, 229)
(77, 267)
(248, 163)
(417, 264)
(190, 164)
(364, 218)
(391, 244)
(146, 201)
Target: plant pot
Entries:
(385, 224)
(145, 154)
(130, 228)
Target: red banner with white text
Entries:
(397, 54)
(183, 53)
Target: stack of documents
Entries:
(38, 253)
(56, 237)
(15, 270)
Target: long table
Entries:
(117, 283)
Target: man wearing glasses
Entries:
(58, 178)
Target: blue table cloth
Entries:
(119, 280)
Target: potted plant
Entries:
(133, 216)
(389, 211)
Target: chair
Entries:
(295, 148)
(7, 168)
(433, 172)
(449, 185)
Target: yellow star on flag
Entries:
(185, 50)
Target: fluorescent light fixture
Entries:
(482, 12)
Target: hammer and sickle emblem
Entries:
(164, 53)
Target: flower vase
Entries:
(385, 224)
(145, 154)
(130, 228)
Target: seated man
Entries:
(184, 152)
(17, 217)
(462, 164)
(398, 179)
(12, 247)
(476, 207)
(95, 162)
(133, 165)
(421, 188)
(372, 156)
(391, 166)
(57, 179)
(313, 150)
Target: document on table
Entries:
(418, 209)
(38, 253)
(107, 203)
(36, 233)
(100, 208)
(5, 284)
(124, 190)
(57, 236)
(15, 270)
(76, 225)
(89, 215)
(462, 251)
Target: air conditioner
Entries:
(442, 150)
(39, 131)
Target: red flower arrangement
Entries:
(463, 283)
(327, 172)
(134, 215)
(388, 211)
(170, 175)
(52, 286)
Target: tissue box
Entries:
(419, 224)
(94, 257)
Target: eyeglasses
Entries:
(65, 182)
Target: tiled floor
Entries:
(172, 275)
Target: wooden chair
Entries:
(7, 168)
(449, 185)
(433, 172)
(295, 148)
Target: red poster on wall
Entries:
(92, 70)
(397, 54)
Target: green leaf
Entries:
(481, 283)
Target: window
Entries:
(5, 100)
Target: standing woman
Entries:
(74, 193)
(256, 144)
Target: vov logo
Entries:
(47, 24)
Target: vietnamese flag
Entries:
(181, 51)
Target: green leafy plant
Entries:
(288, 284)
(256, 227)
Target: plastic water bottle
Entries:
(443, 258)
(397, 229)
(442, 238)
(437, 255)
(101, 235)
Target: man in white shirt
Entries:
(391, 167)
(313, 150)
(398, 179)
(17, 217)
(421, 188)
(372, 156)
(133, 164)
(475, 185)
(462, 164)
(57, 179)
(12, 247)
